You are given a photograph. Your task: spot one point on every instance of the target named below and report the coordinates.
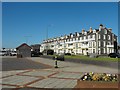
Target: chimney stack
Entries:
(110, 29)
(100, 27)
(83, 31)
(90, 29)
(75, 33)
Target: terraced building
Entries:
(100, 41)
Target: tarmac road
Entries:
(9, 64)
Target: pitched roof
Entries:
(24, 44)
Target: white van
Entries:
(2, 53)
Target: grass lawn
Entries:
(88, 58)
(82, 57)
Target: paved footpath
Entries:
(75, 67)
(39, 78)
(63, 77)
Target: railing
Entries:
(110, 45)
(70, 47)
(84, 46)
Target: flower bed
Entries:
(99, 77)
(98, 80)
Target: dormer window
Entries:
(85, 33)
(78, 34)
(71, 35)
(66, 36)
(94, 31)
(105, 31)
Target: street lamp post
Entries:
(64, 47)
(56, 47)
(47, 38)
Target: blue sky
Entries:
(29, 21)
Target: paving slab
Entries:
(68, 75)
(42, 83)
(6, 86)
(43, 73)
(53, 83)
(66, 83)
(8, 73)
(18, 80)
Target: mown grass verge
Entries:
(82, 57)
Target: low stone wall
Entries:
(109, 64)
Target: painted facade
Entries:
(100, 41)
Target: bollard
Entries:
(56, 62)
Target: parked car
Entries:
(41, 53)
(67, 53)
(35, 54)
(114, 55)
(59, 57)
(13, 53)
